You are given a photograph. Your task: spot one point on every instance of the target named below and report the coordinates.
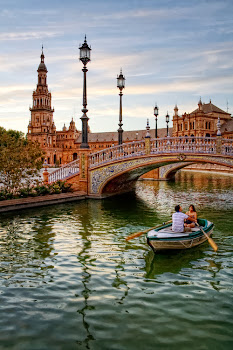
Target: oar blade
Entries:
(134, 235)
(213, 244)
(210, 240)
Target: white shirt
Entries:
(178, 221)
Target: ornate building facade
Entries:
(63, 146)
(202, 122)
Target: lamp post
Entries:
(120, 85)
(156, 113)
(167, 121)
(85, 53)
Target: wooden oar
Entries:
(210, 240)
(137, 234)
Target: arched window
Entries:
(75, 156)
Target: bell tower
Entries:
(41, 126)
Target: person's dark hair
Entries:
(191, 205)
(177, 208)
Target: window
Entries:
(207, 125)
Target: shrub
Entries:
(55, 188)
(65, 187)
(42, 190)
(34, 191)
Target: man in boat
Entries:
(178, 220)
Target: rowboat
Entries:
(163, 238)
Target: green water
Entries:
(69, 280)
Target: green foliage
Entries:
(65, 187)
(20, 159)
(34, 191)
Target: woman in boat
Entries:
(178, 220)
(193, 214)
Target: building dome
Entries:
(42, 66)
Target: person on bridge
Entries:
(178, 220)
(193, 214)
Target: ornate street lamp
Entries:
(156, 113)
(85, 54)
(167, 121)
(121, 86)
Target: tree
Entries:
(20, 159)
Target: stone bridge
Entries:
(116, 169)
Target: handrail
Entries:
(65, 171)
(183, 144)
(126, 150)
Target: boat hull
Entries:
(177, 243)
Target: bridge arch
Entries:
(116, 169)
(121, 176)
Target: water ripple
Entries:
(69, 280)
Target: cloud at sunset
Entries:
(169, 53)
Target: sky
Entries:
(170, 51)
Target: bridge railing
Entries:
(207, 145)
(227, 147)
(65, 171)
(126, 150)
(184, 144)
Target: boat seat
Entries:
(168, 233)
(169, 230)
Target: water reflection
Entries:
(213, 191)
(173, 262)
(91, 283)
(24, 247)
(84, 260)
(119, 282)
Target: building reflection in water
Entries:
(27, 242)
(84, 259)
(118, 281)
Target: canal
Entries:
(69, 280)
